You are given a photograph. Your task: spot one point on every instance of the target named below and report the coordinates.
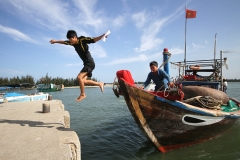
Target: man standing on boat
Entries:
(159, 77)
(225, 85)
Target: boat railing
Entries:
(212, 66)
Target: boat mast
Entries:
(215, 45)
(221, 71)
(185, 45)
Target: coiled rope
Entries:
(205, 102)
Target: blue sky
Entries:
(140, 29)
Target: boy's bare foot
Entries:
(101, 85)
(81, 97)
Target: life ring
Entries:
(195, 67)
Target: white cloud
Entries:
(88, 14)
(176, 50)
(16, 35)
(37, 11)
(118, 21)
(73, 64)
(150, 38)
(57, 15)
(140, 19)
(141, 57)
(195, 46)
(125, 6)
(97, 51)
(144, 57)
(64, 15)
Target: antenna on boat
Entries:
(221, 70)
(215, 45)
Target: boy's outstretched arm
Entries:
(56, 41)
(99, 37)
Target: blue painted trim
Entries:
(180, 105)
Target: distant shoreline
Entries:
(106, 85)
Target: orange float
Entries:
(195, 67)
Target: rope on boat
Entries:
(205, 102)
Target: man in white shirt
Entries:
(225, 85)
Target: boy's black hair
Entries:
(153, 63)
(71, 34)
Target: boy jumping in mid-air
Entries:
(81, 46)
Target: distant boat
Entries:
(21, 85)
(49, 87)
(8, 94)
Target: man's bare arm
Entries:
(56, 41)
(98, 38)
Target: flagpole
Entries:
(188, 14)
(185, 45)
(185, 49)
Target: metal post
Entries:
(45, 108)
(221, 71)
(215, 45)
(165, 60)
(49, 97)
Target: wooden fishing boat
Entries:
(171, 121)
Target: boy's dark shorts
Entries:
(89, 67)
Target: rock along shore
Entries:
(28, 133)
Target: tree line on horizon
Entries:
(57, 81)
(43, 80)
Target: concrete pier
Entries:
(28, 133)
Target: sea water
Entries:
(107, 130)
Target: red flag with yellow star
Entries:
(191, 13)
